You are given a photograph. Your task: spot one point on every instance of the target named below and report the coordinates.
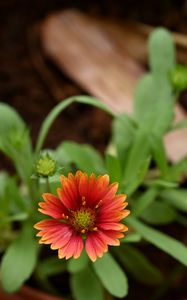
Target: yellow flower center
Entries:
(83, 220)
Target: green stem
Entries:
(59, 108)
(48, 185)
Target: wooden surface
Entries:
(106, 59)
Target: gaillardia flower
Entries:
(86, 212)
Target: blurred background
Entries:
(32, 83)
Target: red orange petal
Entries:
(95, 247)
(52, 206)
(112, 226)
(73, 248)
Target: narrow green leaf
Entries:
(18, 203)
(159, 213)
(178, 170)
(139, 266)
(113, 168)
(59, 108)
(162, 241)
(111, 275)
(162, 183)
(144, 98)
(9, 120)
(159, 153)
(15, 141)
(84, 156)
(3, 182)
(161, 52)
(144, 201)
(132, 185)
(163, 112)
(154, 105)
(4, 202)
(123, 131)
(131, 238)
(76, 265)
(176, 197)
(138, 154)
(17, 217)
(85, 285)
(19, 261)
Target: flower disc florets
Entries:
(83, 220)
(87, 212)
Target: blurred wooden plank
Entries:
(92, 57)
(105, 58)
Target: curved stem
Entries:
(59, 108)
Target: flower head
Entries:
(86, 212)
(45, 166)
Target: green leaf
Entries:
(85, 157)
(3, 182)
(144, 98)
(131, 238)
(137, 156)
(12, 203)
(15, 141)
(159, 153)
(176, 197)
(85, 285)
(59, 108)
(144, 201)
(137, 162)
(76, 265)
(18, 203)
(113, 168)
(154, 102)
(178, 170)
(16, 217)
(132, 185)
(51, 266)
(162, 183)
(154, 105)
(162, 241)
(9, 119)
(19, 261)
(4, 203)
(159, 213)
(111, 275)
(139, 266)
(123, 131)
(161, 52)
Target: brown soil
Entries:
(25, 76)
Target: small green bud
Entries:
(179, 78)
(45, 166)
